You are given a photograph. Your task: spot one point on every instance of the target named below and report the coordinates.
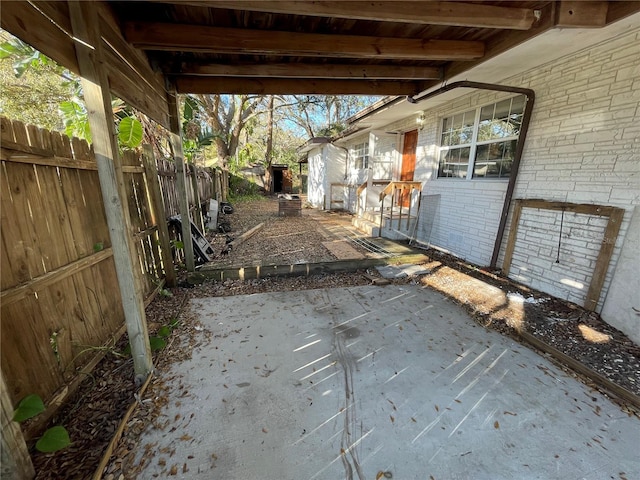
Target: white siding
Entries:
(315, 180)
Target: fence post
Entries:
(95, 84)
(196, 196)
(181, 180)
(158, 213)
(16, 462)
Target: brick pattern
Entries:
(583, 146)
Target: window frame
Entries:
(359, 153)
(474, 143)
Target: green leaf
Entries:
(164, 331)
(130, 132)
(29, 407)
(98, 247)
(157, 343)
(174, 323)
(54, 439)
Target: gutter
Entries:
(524, 128)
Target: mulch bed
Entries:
(94, 412)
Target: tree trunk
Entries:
(268, 156)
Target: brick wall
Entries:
(583, 146)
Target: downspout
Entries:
(524, 128)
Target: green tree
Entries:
(45, 94)
(31, 85)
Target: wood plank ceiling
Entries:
(338, 47)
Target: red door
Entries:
(408, 164)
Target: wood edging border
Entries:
(570, 362)
(300, 269)
(118, 434)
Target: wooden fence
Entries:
(210, 184)
(59, 292)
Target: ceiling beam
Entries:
(576, 14)
(620, 10)
(458, 14)
(503, 41)
(308, 70)
(278, 86)
(199, 38)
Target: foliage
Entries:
(130, 132)
(75, 119)
(241, 187)
(29, 407)
(55, 438)
(34, 96)
(23, 56)
(39, 84)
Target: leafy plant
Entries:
(130, 132)
(29, 407)
(24, 56)
(165, 293)
(55, 438)
(157, 343)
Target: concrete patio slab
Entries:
(377, 382)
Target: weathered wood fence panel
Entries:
(57, 277)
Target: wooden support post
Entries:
(196, 197)
(85, 24)
(158, 213)
(181, 179)
(16, 462)
(604, 258)
(511, 242)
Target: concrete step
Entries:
(365, 226)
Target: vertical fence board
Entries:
(61, 233)
(16, 178)
(53, 216)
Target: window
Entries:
(360, 155)
(481, 143)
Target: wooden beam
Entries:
(18, 292)
(45, 25)
(26, 22)
(15, 459)
(308, 70)
(274, 86)
(604, 258)
(619, 10)
(181, 180)
(503, 41)
(85, 24)
(200, 38)
(581, 14)
(418, 12)
(513, 234)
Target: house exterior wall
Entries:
(335, 161)
(583, 146)
(622, 306)
(316, 177)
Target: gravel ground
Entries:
(281, 241)
(93, 414)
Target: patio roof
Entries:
(296, 47)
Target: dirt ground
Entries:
(93, 415)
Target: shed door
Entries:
(408, 163)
